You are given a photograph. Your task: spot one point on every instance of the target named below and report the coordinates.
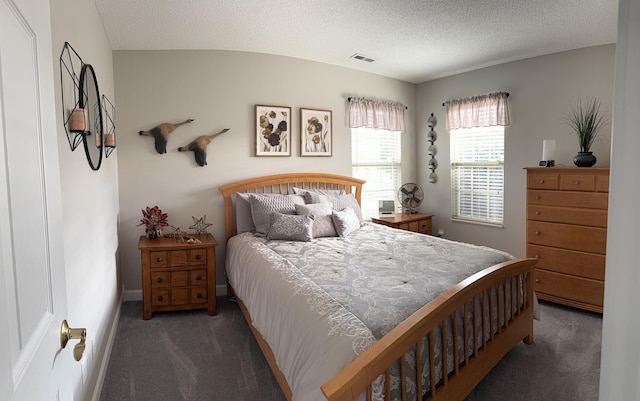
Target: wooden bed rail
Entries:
(504, 293)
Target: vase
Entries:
(584, 159)
(153, 233)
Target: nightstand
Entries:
(178, 275)
(416, 222)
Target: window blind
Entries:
(477, 174)
(376, 158)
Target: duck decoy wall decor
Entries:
(199, 147)
(161, 134)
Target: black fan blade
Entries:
(404, 191)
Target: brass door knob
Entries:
(67, 333)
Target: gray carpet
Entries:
(192, 356)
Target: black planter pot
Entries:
(584, 159)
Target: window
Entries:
(477, 174)
(375, 157)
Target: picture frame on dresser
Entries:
(316, 132)
(273, 130)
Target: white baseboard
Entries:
(102, 373)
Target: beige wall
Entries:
(542, 90)
(219, 90)
(89, 198)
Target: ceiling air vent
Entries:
(358, 56)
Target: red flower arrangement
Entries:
(154, 221)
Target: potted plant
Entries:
(154, 221)
(587, 121)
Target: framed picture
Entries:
(273, 130)
(316, 132)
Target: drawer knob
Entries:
(577, 182)
(537, 256)
(537, 213)
(541, 181)
(199, 295)
(158, 259)
(198, 277)
(160, 298)
(537, 232)
(198, 257)
(159, 280)
(537, 280)
(537, 197)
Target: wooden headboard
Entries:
(283, 184)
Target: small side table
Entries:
(178, 275)
(416, 222)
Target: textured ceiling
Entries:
(411, 40)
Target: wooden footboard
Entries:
(505, 295)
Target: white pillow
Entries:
(317, 195)
(263, 205)
(343, 201)
(345, 221)
(322, 222)
(291, 227)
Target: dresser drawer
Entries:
(572, 288)
(583, 264)
(578, 182)
(584, 217)
(543, 181)
(587, 200)
(578, 238)
(602, 183)
(158, 259)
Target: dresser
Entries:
(567, 233)
(178, 275)
(416, 222)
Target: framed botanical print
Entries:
(316, 132)
(273, 130)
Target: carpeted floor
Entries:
(192, 356)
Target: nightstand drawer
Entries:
(197, 277)
(198, 295)
(179, 279)
(158, 259)
(160, 297)
(197, 256)
(160, 279)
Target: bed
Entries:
(462, 331)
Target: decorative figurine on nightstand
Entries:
(200, 225)
(177, 233)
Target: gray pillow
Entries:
(346, 221)
(296, 227)
(263, 205)
(343, 201)
(322, 222)
(317, 195)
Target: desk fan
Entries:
(410, 196)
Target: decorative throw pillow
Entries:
(294, 227)
(263, 205)
(346, 221)
(322, 222)
(343, 201)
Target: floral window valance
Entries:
(374, 113)
(477, 111)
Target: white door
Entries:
(32, 274)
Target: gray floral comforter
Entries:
(320, 304)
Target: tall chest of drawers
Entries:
(567, 233)
(178, 275)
